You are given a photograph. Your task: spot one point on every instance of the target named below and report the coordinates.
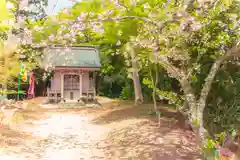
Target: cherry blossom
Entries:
(66, 11)
(10, 5)
(225, 152)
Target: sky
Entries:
(60, 4)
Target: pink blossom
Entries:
(183, 25)
(225, 152)
(66, 11)
(51, 37)
(66, 36)
(132, 2)
(217, 146)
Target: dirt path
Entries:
(95, 133)
(58, 137)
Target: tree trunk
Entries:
(194, 115)
(4, 91)
(207, 87)
(154, 85)
(196, 107)
(135, 76)
(203, 96)
(137, 85)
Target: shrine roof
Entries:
(82, 57)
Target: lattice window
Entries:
(71, 82)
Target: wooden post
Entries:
(62, 87)
(55, 94)
(94, 86)
(48, 94)
(80, 85)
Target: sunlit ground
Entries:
(64, 136)
(120, 132)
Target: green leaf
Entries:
(227, 2)
(146, 81)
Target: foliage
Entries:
(185, 52)
(13, 46)
(215, 148)
(186, 42)
(9, 59)
(6, 16)
(196, 44)
(192, 45)
(113, 75)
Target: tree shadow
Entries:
(128, 111)
(137, 135)
(12, 137)
(144, 141)
(32, 114)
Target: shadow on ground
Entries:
(11, 139)
(117, 131)
(124, 111)
(144, 141)
(137, 135)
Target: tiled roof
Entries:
(72, 57)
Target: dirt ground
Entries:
(114, 131)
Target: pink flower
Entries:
(217, 146)
(225, 152)
(51, 37)
(66, 11)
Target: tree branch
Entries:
(160, 24)
(122, 5)
(181, 77)
(173, 71)
(213, 71)
(191, 70)
(189, 5)
(145, 19)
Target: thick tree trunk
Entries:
(196, 107)
(201, 103)
(194, 115)
(190, 99)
